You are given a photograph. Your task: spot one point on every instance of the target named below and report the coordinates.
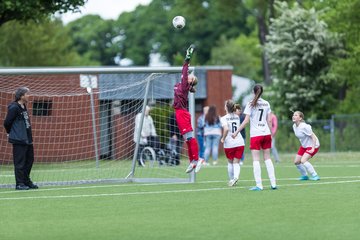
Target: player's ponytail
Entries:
(230, 106)
(258, 90)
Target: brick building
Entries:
(61, 110)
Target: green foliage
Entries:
(35, 9)
(343, 17)
(150, 27)
(243, 53)
(93, 38)
(300, 49)
(160, 115)
(140, 32)
(32, 44)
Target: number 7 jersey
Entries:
(258, 118)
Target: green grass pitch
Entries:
(207, 209)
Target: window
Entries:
(42, 108)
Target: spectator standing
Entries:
(200, 131)
(18, 127)
(176, 141)
(274, 127)
(212, 133)
(242, 132)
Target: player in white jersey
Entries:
(233, 148)
(309, 147)
(257, 112)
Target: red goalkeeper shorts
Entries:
(183, 119)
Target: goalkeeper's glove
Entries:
(192, 89)
(189, 53)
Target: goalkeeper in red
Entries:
(183, 117)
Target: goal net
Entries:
(83, 123)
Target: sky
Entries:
(107, 9)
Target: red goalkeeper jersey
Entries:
(181, 89)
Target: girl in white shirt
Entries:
(257, 112)
(234, 148)
(309, 147)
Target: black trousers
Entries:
(23, 156)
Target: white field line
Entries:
(166, 191)
(348, 165)
(124, 185)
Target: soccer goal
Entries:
(83, 122)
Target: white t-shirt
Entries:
(258, 118)
(232, 121)
(148, 128)
(303, 132)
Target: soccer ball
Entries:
(178, 22)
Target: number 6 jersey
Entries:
(232, 121)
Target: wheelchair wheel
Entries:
(147, 157)
(161, 157)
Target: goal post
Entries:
(83, 122)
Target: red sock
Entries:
(193, 149)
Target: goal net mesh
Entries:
(84, 128)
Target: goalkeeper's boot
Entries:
(256, 188)
(304, 178)
(315, 178)
(191, 167)
(199, 164)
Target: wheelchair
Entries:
(157, 154)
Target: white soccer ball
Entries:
(178, 22)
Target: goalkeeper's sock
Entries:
(230, 171)
(309, 167)
(193, 149)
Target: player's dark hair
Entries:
(230, 106)
(258, 90)
(237, 107)
(211, 116)
(20, 92)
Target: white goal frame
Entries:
(131, 177)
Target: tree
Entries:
(35, 9)
(300, 48)
(33, 44)
(263, 11)
(149, 30)
(94, 38)
(243, 53)
(343, 17)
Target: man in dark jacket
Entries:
(18, 127)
